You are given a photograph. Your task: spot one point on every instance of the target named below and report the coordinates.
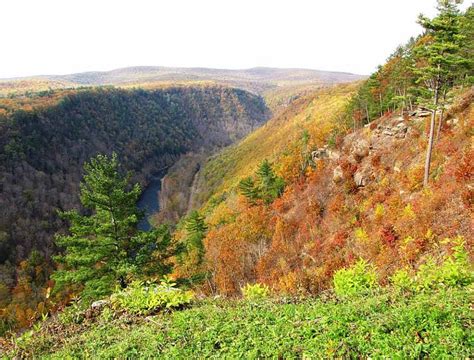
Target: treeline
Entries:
(434, 62)
(42, 152)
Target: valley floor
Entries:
(434, 324)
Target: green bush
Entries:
(355, 280)
(255, 291)
(148, 298)
(455, 270)
(401, 280)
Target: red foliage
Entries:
(389, 235)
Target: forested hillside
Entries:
(43, 150)
(340, 228)
(382, 173)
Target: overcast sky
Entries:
(66, 36)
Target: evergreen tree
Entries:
(267, 186)
(248, 189)
(191, 259)
(196, 229)
(104, 248)
(439, 61)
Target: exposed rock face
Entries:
(363, 148)
(421, 112)
(360, 149)
(364, 176)
(325, 153)
(337, 174)
(397, 129)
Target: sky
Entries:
(68, 36)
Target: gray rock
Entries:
(360, 179)
(99, 304)
(319, 154)
(364, 176)
(337, 175)
(360, 149)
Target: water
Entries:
(149, 202)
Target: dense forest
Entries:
(43, 150)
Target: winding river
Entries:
(149, 202)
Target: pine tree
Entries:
(104, 248)
(267, 186)
(439, 60)
(196, 229)
(248, 189)
(191, 260)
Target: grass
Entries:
(385, 323)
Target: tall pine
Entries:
(104, 248)
(439, 61)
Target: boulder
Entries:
(337, 174)
(99, 304)
(319, 154)
(364, 176)
(360, 149)
(421, 112)
(325, 153)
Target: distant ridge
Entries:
(257, 79)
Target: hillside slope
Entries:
(278, 140)
(361, 197)
(42, 149)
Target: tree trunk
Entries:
(440, 122)
(381, 105)
(429, 149)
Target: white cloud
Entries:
(58, 36)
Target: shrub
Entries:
(454, 271)
(361, 235)
(355, 280)
(255, 291)
(401, 280)
(147, 298)
(379, 211)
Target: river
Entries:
(149, 202)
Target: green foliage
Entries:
(148, 298)
(73, 314)
(193, 252)
(195, 224)
(436, 61)
(105, 247)
(401, 280)
(455, 270)
(267, 186)
(440, 60)
(434, 324)
(248, 188)
(255, 291)
(356, 280)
